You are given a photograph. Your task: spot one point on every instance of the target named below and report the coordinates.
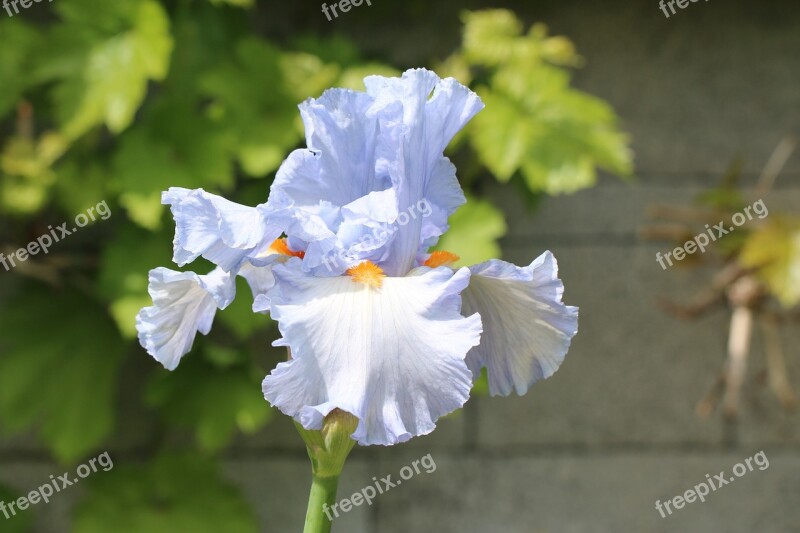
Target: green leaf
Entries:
(144, 209)
(474, 231)
(534, 122)
(306, 75)
(252, 99)
(172, 493)
(213, 401)
(498, 135)
(330, 49)
(112, 81)
(481, 385)
(774, 250)
(19, 41)
(79, 184)
(556, 136)
(173, 146)
(491, 36)
(124, 267)
(22, 522)
(62, 381)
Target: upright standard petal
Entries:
(372, 159)
(392, 356)
(320, 189)
(217, 229)
(183, 304)
(411, 147)
(527, 329)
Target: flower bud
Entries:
(329, 447)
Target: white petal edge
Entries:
(393, 357)
(527, 329)
(217, 229)
(184, 304)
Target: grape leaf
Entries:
(60, 370)
(125, 46)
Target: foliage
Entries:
(534, 122)
(21, 522)
(173, 493)
(774, 251)
(117, 101)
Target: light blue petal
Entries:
(411, 151)
(393, 357)
(338, 168)
(373, 160)
(183, 304)
(217, 229)
(260, 278)
(527, 329)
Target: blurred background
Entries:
(611, 133)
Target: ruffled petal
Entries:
(183, 304)
(217, 229)
(333, 182)
(527, 329)
(373, 161)
(391, 356)
(411, 149)
(261, 280)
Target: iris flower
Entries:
(376, 324)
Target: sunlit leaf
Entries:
(15, 56)
(124, 267)
(144, 209)
(491, 36)
(774, 250)
(112, 81)
(474, 231)
(556, 136)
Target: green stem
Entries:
(328, 449)
(322, 497)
